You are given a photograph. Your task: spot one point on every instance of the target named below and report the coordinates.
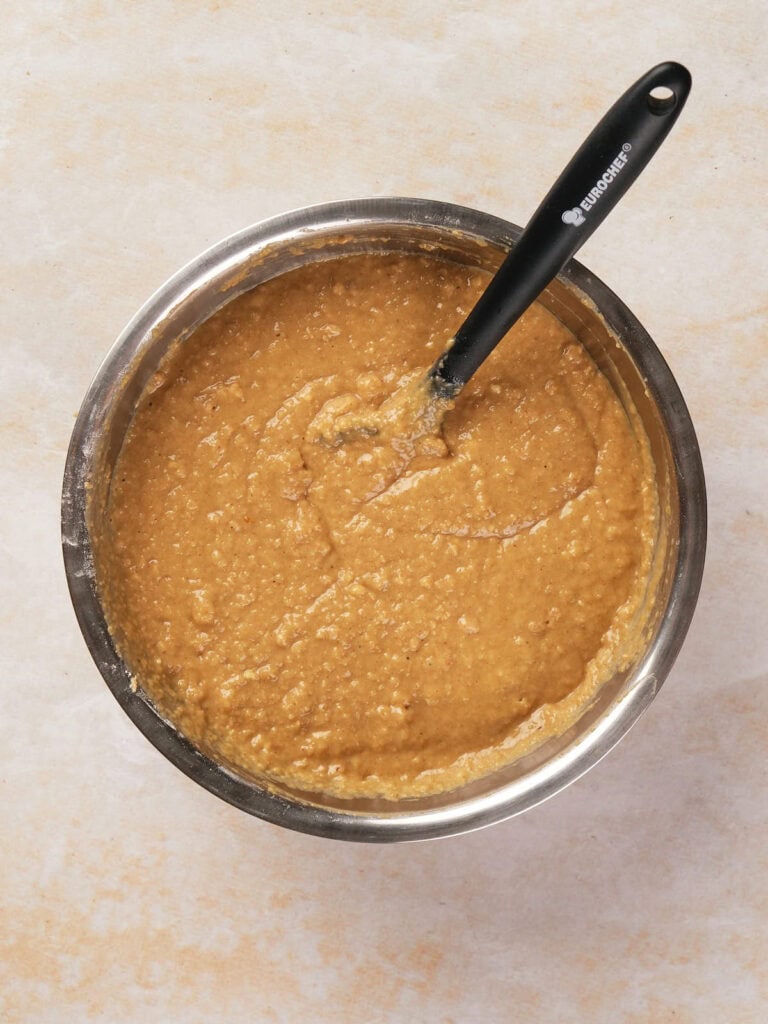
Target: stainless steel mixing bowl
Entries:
(620, 347)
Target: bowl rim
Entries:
(401, 825)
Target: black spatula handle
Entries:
(602, 170)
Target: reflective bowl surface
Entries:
(620, 347)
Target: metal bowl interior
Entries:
(620, 347)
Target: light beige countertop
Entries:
(134, 135)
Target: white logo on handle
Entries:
(603, 183)
(574, 216)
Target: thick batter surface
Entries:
(399, 612)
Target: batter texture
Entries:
(379, 613)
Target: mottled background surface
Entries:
(133, 136)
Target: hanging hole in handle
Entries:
(661, 100)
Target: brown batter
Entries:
(400, 612)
